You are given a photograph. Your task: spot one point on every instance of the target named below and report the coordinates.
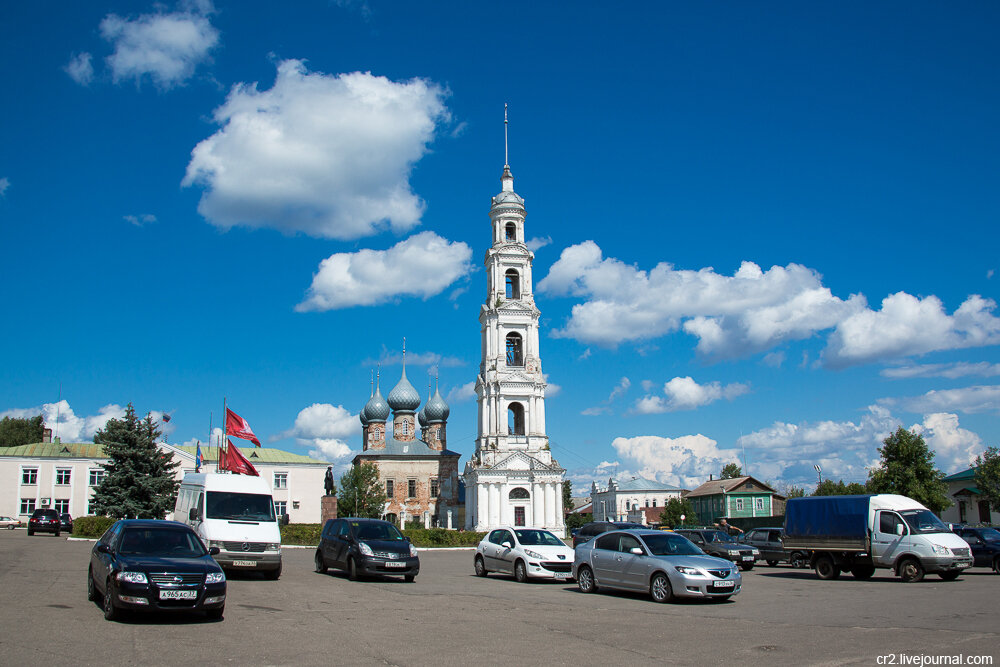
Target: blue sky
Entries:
(764, 233)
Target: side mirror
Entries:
(507, 545)
(636, 550)
(193, 514)
(103, 549)
(899, 529)
(213, 551)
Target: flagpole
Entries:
(225, 427)
(210, 440)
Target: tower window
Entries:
(515, 350)
(513, 284)
(510, 232)
(515, 419)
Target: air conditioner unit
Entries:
(46, 501)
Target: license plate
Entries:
(724, 584)
(244, 563)
(393, 563)
(178, 595)
(748, 558)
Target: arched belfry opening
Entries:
(510, 232)
(513, 289)
(515, 419)
(515, 350)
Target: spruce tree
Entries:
(907, 468)
(139, 481)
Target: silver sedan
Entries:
(664, 564)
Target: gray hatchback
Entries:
(663, 563)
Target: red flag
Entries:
(236, 425)
(233, 460)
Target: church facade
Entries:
(512, 479)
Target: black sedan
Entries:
(985, 545)
(141, 565)
(366, 546)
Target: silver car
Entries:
(664, 563)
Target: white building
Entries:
(968, 507)
(512, 478)
(621, 498)
(62, 476)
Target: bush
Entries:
(306, 534)
(91, 526)
(441, 537)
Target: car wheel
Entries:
(659, 588)
(91, 589)
(481, 570)
(57, 533)
(863, 572)
(950, 576)
(273, 575)
(110, 610)
(352, 569)
(826, 568)
(408, 578)
(585, 580)
(215, 614)
(772, 563)
(746, 566)
(520, 572)
(320, 563)
(911, 571)
(30, 532)
(996, 565)
(797, 560)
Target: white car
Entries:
(9, 522)
(527, 553)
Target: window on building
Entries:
(404, 427)
(281, 480)
(280, 508)
(29, 476)
(434, 488)
(758, 504)
(515, 419)
(96, 476)
(63, 475)
(510, 232)
(515, 350)
(390, 488)
(654, 502)
(513, 284)
(627, 506)
(519, 493)
(27, 505)
(90, 511)
(62, 505)
(374, 433)
(411, 488)
(961, 511)
(739, 504)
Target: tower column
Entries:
(538, 504)
(550, 505)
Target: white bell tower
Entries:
(512, 479)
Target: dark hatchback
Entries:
(67, 521)
(985, 545)
(366, 547)
(44, 521)
(589, 531)
(144, 565)
(719, 543)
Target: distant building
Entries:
(63, 475)
(969, 507)
(619, 498)
(731, 498)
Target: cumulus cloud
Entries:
(166, 47)
(65, 423)
(432, 359)
(422, 265)
(684, 393)
(465, 392)
(685, 461)
(970, 400)
(538, 242)
(951, 371)
(753, 311)
(954, 448)
(323, 427)
(80, 68)
(325, 155)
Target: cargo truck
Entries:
(858, 534)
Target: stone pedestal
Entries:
(328, 508)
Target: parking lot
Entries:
(449, 616)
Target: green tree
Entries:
(672, 511)
(988, 477)
(907, 468)
(361, 492)
(731, 470)
(575, 520)
(567, 491)
(16, 431)
(830, 488)
(139, 481)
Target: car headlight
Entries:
(217, 543)
(684, 569)
(938, 549)
(755, 552)
(365, 549)
(273, 546)
(215, 578)
(533, 554)
(413, 551)
(133, 577)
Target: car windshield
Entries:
(239, 506)
(670, 545)
(923, 521)
(717, 536)
(376, 531)
(168, 542)
(541, 538)
(990, 534)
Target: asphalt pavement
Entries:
(448, 616)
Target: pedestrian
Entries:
(724, 525)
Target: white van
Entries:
(236, 514)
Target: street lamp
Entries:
(819, 474)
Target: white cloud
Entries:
(4, 184)
(465, 392)
(952, 371)
(329, 449)
(66, 424)
(80, 68)
(422, 265)
(326, 155)
(166, 47)
(141, 220)
(686, 461)
(684, 393)
(970, 400)
(954, 448)
(774, 359)
(432, 359)
(538, 242)
(323, 427)
(907, 325)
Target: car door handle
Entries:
(618, 558)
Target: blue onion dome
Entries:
(376, 409)
(421, 418)
(436, 409)
(361, 416)
(403, 397)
